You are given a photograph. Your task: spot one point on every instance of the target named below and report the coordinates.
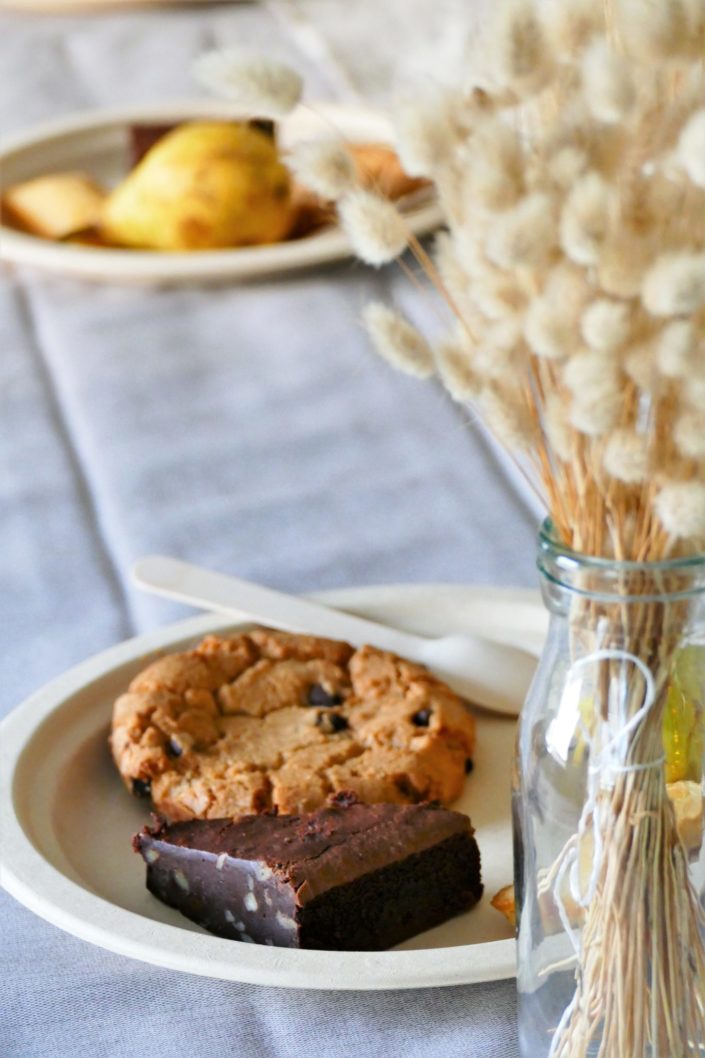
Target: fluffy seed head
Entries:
(689, 434)
(691, 148)
(653, 29)
(496, 294)
(609, 89)
(693, 392)
(523, 237)
(549, 334)
(622, 263)
(258, 86)
(589, 372)
(569, 26)
(397, 341)
(594, 384)
(425, 133)
(325, 167)
(585, 219)
(508, 417)
(680, 507)
(676, 349)
(594, 417)
(566, 166)
(641, 367)
(498, 349)
(453, 361)
(605, 324)
(445, 253)
(493, 174)
(675, 284)
(374, 226)
(626, 456)
(522, 57)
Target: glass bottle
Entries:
(607, 804)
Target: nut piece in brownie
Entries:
(348, 877)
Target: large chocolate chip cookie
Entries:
(265, 720)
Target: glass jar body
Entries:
(607, 807)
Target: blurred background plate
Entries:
(57, 7)
(97, 143)
(67, 820)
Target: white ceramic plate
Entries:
(97, 143)
(66, 818)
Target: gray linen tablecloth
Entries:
(248, 428)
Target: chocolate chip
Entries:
(331, 722)
(173, 748)
(469, 765)
(422, 718)
(318, 695)
(141, 788)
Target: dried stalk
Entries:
(640, 978)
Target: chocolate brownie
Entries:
(349, 877)
(265, 720)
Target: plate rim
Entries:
(45, 890)
(139, 267)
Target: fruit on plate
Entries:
(55, 206)
(206, 185)
(684, 716)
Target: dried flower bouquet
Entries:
(572, 178)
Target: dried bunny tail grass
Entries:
(608, 85)
(326, 167)
(691, 148)
(552, 320)
(605, 324)
(494, 173)
(426, 133)
(521, 54)
(525, 236)
(556, 424)
(508, 416)
(641, 366)
(676, 349)
(450, 267)
(548, 333)
(695, 12)
(586, 218)
(594, 416)
(593, 381)
(497, 350)
(374, 226)
(570, 25)
(653, 29)
(623, 262)
(397, 341)
(675, 284)
(626, 456)
(453, 362)
(258, 86)
(689, 434)
(496, 295)
(680, 507)
(693, 393)
(564, 167)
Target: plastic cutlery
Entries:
(492, 675)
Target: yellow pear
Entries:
(203, 186)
